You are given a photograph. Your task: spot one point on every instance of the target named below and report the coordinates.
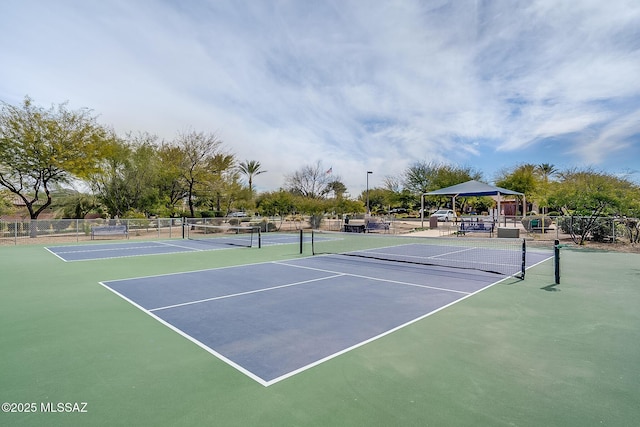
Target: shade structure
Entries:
(472, 188)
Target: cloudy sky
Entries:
(356, 85)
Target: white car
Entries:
(444, 215)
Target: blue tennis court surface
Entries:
(88, 252)
(273, 320)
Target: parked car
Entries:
(444, 215)
(238, 214)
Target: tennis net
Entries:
(245, 236)
(500, 256)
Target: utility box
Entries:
(509, 233)
(433, 222)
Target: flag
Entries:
(329, 170)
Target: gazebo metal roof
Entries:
(473, 188)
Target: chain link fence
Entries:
(46, 231)
(583, 228)
(541, 228)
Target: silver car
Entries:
(444, 215)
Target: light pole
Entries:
(368, 210)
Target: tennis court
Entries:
(191, 243)
(272, 320)
(338, 340)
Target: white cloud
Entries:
(358, 85)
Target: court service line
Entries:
(82, 249)
(338, 273)
(180, 246)
(245, 293)
(452, 252)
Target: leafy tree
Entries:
(198, 150)
(422, 177)
(128, 181)
(5, 202)
(342, 206)
(250, 168)
(587, 195)
(337, 188)
(534, 181)
(315, 208)
(222, 187)
(172, 187)
(379, 199)
(41, 148)
(523, 179)
(277, 203)
(546, 172)
(74, 204)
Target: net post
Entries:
(524, 259)
(183, 232)
(301, 240)
(259, 237)
(556, 260)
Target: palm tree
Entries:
(250, 168)
(546, 170)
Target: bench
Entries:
(353, 228)
(376, 226)
(109, 230)
(475, 227)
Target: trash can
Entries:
(433, 222)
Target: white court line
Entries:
(183, 247)
(260, 380)
(245, 293)
(374, 278)
(452, 252)
(192, 339)
(390, 331)
(122, 248)
(51, 252)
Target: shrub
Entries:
(62, 224)
(599, 229)
(537, 221)
(265, 226)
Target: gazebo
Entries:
(471, 188)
